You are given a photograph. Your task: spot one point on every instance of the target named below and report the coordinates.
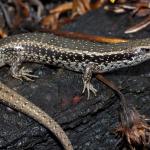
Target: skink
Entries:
(77, 55)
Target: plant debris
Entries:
(138, 8)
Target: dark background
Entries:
(88, 123)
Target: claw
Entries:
(29, 75)
(17, 77)
(84, 87)
(27, 78)
(93, 89)
(89, 87)
(24, 74)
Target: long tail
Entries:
(18, 102)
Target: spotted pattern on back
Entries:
(69, 53)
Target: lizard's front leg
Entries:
(87, 78)
(19, 72)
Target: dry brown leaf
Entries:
(62, 8)
(50, 21)
(3, 34)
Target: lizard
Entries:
(76, 55)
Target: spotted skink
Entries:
(77, 55)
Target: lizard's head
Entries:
(141, 47)
(146, 52)
(143, 52)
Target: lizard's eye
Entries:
(146, 50)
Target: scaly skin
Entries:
(76, 55)
(16, 101)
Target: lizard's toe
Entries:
(89, 87)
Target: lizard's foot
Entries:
(87, 78)
(89, 87)
(24, 73)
